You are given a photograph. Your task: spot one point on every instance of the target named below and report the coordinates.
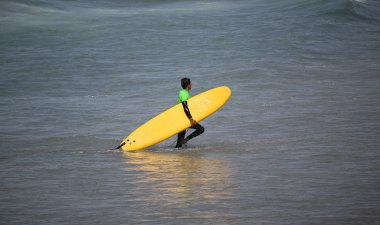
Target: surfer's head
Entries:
(185, 82)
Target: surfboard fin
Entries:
(121, 145)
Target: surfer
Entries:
(183, 96)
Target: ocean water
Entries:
(298, 142)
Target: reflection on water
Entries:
(179, 178)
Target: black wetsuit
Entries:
(199, 129)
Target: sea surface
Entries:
(297, 143)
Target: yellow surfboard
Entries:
(174, 120)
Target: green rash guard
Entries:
(183, 96)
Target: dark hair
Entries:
(185, 82)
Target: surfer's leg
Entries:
(180, 138)
(199, 129)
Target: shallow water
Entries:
(296, 144)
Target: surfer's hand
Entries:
(193, 122)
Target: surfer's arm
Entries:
(187, 110)
(188, 114)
